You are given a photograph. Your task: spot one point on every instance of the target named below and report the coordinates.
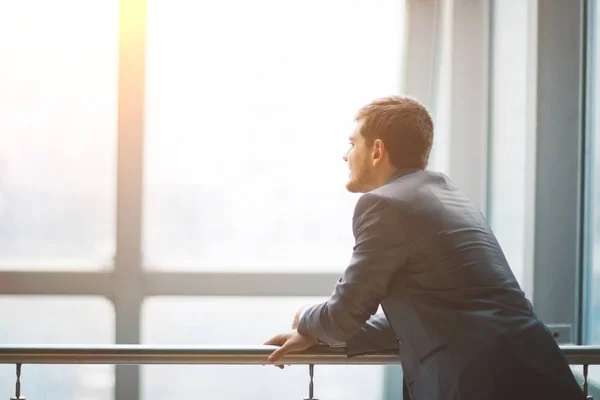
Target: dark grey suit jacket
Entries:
(425, 253)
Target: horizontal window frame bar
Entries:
(239, 284)
(154, 283)
(28, 283)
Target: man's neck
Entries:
(398, 172)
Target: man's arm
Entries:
(374, 336)
(379, 252)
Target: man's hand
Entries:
(289, 342)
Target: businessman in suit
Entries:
(424, 253)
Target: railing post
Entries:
(18, 385)
(585, 382)
(311, 373)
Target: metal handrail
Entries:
(149, 354)
(581, 355)
(152, 354)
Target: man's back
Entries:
(463, 322)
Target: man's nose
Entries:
(345, 157)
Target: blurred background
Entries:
(171, 171)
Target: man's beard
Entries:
(358, 182)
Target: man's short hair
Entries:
(405, 127)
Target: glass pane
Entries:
(241, 321)
(58, 96)
(508, 130)
(57, 320)
(248, 115)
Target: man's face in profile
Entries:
(358, 158)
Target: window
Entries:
(57, 320)
(243, 170)
(245, 321)
(58, 79)
(247, 119)
(508, 130)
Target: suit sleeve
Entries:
(374, 336)
(379, 252)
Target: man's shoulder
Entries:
(373, 201)
(423, 193)
(410, 188)
(391, 199)
(375, 215)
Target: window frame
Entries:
(558, 189)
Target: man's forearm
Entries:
(299, 316)
(375, 335)
(325, 339)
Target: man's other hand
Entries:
(289, 342)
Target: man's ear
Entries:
(378, 150)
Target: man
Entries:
(425, 253)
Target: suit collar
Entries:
(402, 172)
